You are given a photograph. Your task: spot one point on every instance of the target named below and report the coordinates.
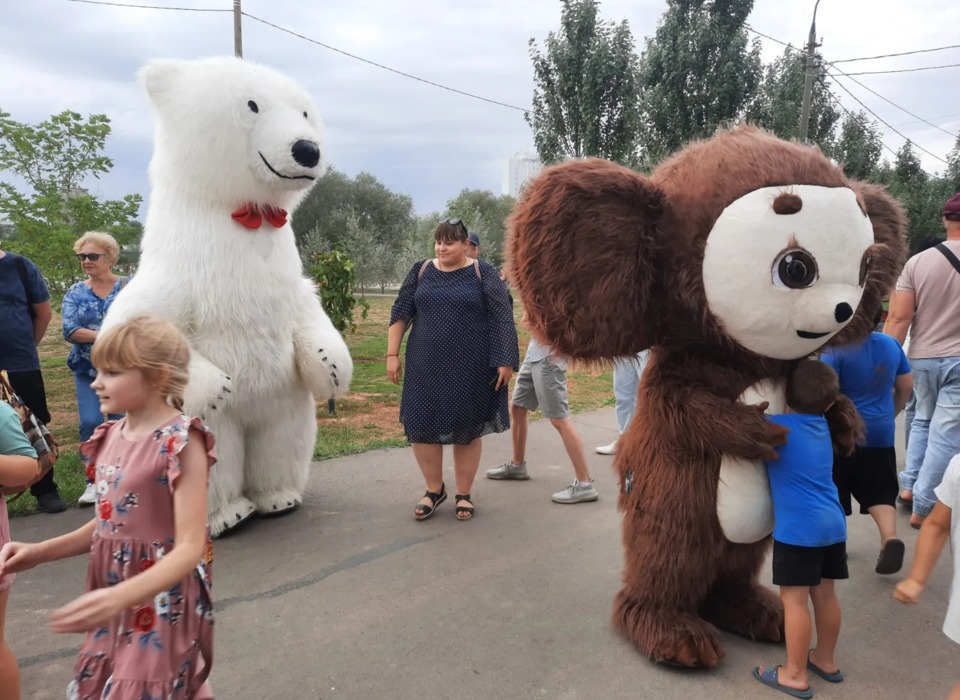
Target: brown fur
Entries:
(609, 262)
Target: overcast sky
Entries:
(416, 138)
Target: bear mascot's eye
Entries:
(795, 269)
(865, 267)
(253, 106)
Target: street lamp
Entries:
(810, 74)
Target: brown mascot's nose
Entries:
(843, 312)
(306, 153)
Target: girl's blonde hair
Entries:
(103, 240)
(153, 346)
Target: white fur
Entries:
(262, 347)
(744, 504)
(740, 265)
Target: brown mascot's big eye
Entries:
(795, 269)
(865, 267)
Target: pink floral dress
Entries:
(162, 649)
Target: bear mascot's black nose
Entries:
(306, 153)
(843, 312)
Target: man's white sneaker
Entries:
(89, 495)
(577, 492)
(610, 449)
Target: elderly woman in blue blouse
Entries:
(84, 307)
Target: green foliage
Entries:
(486, 214)
(859, 147)
(776, 105)
(53, 159)
(586, 101)
(698, 73)
(333, 272)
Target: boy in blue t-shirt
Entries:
(876, 377)
(810, 530)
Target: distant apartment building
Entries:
(519, 170)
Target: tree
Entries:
(486, 214)
(777, 104)
(952, 173)
(53, 159)
(698, 73)
(330, 204)
(586, 99)
(859, 147)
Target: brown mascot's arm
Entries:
(887, 258)
(582, 246)
(705, 422)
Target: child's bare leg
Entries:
(886, 520)
(9, 673)
(797, 631)
(826, 612)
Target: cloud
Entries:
(417, 138)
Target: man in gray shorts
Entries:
(542, 381)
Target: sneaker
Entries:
(509, 470)
(50, 502)
(89, 496)
(577, 492)
(610, 449)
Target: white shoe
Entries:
(89, 496)
(610, 449)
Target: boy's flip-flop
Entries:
(831, 677)
(890, 560)
(768, 677)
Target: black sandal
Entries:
(465, 511)
(424, 511)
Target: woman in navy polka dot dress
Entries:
(460, 356)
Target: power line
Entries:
(844, 88)
(902, 109)
(891, 55)
(852, 116)
(152, 7)
(945, 116)
(380, 65)
(767, 36)
(904, 70)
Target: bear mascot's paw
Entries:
(277, 502)
(750, 610)
(230, 516)
(209, 390)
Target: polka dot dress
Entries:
(462, 330)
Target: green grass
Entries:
(367, 417)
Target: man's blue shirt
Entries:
(806, 507)
(17, 350)
(867, 374)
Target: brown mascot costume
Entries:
(737, 257)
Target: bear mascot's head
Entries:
(234, 133)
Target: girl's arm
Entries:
(933, 535)
(18, 556)
(18, 470)
(190, 531)
(394, 338)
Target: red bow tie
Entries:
(252, 215)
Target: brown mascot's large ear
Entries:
(582, 246)
(887, 258)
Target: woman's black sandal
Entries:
(424, 511)
(463, 512)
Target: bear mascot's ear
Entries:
(887, 258)
(160, 76)
(582, 245)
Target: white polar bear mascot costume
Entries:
(237, 146)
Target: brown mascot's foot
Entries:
(749, 610)
(667, 636)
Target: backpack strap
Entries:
(949, 255)
(423, 268)
(22, 270)
(476, 268)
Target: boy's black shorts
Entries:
(869, 475)
(806, 566)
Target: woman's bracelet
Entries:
(388, 355)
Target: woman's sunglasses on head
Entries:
(92, 257)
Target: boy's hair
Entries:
(814, 388)
(151, 345)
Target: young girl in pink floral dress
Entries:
(147, 615)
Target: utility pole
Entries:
(237, 30)
(811, 73)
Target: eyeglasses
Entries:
(92, 257)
